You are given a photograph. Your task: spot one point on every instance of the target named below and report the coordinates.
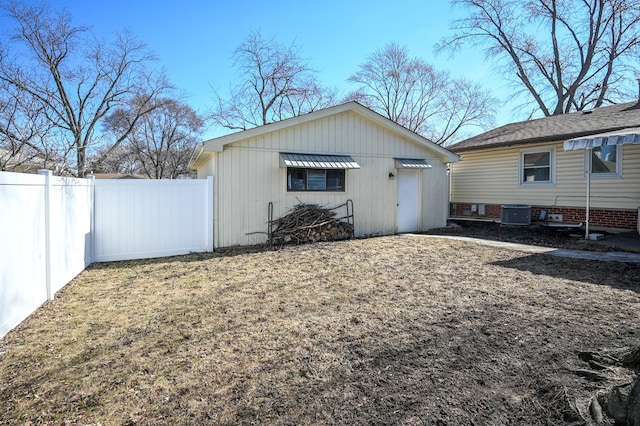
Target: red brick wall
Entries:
(618, 219)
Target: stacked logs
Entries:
(309, 223)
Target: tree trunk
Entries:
(82, 161)
(622, 402)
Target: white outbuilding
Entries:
(395, 179)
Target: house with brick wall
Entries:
(574, 166)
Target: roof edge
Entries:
(552, 138)
(217, 144)
(450, 156)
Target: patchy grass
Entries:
(392, 330)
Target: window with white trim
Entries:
(536, 167)
(605, 161)
(315, 179)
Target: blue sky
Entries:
(194, 39)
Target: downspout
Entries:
(448, 172)
(589, 163)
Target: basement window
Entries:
(315, 180)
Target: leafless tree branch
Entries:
(274, 83)
(585, 58)
(413, 94)
(72, 80)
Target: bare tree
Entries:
(73, 81)
(565, 54)
(413, 94)
(120, 160)
(23, 136)
(160, 144)
(275, 83)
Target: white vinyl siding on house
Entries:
(491, 176)
(249, 176)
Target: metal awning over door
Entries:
(412, 163)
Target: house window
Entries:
(536, 167)
(315, 180)
(605, 161)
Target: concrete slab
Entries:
(626, 241)
(610, 256)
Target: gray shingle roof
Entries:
(556, 128)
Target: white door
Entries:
(407, 210)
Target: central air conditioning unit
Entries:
(516, 214)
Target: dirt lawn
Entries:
(391, 330)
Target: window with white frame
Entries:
(315, 180)
(536, 166)
(604, 161)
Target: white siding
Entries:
(435, 196)
(248, 177)
(492, 177)
(207, 170)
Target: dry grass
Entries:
(403, 330)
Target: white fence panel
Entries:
(46, 240)
(53, 228)
(70, 204)
(22, 248)
(137, 219)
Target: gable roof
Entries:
(556, 128)
(217, 144)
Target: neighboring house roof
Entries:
(217, 144)
(556, 128)
(118, 176)
(27, 163)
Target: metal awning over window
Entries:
(411, 163)
(313, 161)
(620, 137)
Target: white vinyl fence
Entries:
(137, 219)
(53, 228)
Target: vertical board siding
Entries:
(435, 195)
(248, 177)
(492, 177)
(137, 219)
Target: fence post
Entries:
(47, 228)
(210, 230)
(92, 216)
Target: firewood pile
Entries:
(309, 223)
